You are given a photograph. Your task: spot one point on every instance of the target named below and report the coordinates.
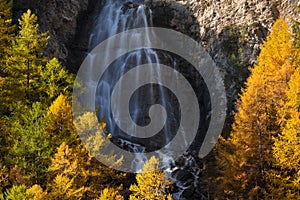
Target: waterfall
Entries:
(116, 17)
(158, 91)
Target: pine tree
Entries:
(247, 154)
(24, 65)
(151, 183)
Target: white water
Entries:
(115, 18)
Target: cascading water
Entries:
(150, 105)
(116, 17)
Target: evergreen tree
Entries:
(151, 183)
(246, 155)
(25, 62)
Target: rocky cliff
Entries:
(230, 30)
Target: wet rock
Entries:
(189, 192)
(183, 175)
(129, 5)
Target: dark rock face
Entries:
(66, 22)
(224, 27)
(231, 31)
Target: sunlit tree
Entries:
(24, 65)
(151, 183)
(6, 29)
(55, 80)
(247, 153)
(111, 194)
(60, 127)
(286, 180)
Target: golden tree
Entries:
(76, 168)
(286, 183)
(69, 174)
(151, 183)
(247, 153)
(60, 126)
(111, 194)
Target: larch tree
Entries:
(247, 154)
(111, 194)
(30, 148)
(55, 80)
(68, 175)
(24, 65)
(60, 127)
(6, 29)
(6, 37)
(151, 183)
(75, 167)
(15, 193)
(286, 183)
(92, 133)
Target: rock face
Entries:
(230, 30)
(224, 27)
(63, 20)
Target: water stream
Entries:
(116, 17)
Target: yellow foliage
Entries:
(151, 183)
(250, 144)
(287, 147)
(64, 188)
(64, 161)
(60, 125)
(111, 194)
(37, 192)
(92, 133)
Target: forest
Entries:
(42, 156)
